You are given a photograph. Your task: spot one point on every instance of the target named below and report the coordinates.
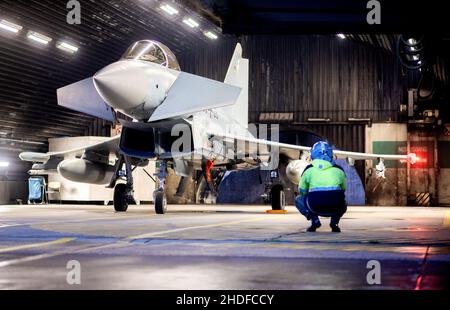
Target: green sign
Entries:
(390, 148)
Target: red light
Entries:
(424, 154)
(419, 160)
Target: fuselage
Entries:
(139, 83)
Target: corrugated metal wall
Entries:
(324, 77)
(313, 76)
(347, 137)
(211, 62)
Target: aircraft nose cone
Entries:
(123, 85)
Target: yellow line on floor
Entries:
(446, 222)
(35, 245)
(159, 233)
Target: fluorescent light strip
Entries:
(40, 38)
(6, 25)
(352, 119)
(169, 9)
(341, 36)
(4, 164)
(327, 120)
(67, 47)
(210, 35)
(190, 22)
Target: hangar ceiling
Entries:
(243, 17)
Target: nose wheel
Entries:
(123, 193)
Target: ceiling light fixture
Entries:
(37, 37)
(341, 36)
(4, 164)
(319, 120)
(8, 26)
(169, 9)
(210, 35)
(356, 120)
(67, 47)
(190, 22)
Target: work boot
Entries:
(314, 226)
(335, 228)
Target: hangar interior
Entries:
(351, 90)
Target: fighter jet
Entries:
(180, 120)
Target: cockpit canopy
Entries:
(152, 51)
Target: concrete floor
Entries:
(221, 247)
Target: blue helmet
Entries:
(322, 150)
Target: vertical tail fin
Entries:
(238, 75)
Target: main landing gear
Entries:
(274, 193)
(278, 198)
(123, 193)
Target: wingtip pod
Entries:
(412, 158)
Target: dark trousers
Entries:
(301, 202)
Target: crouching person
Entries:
(322, 189)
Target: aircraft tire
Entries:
(278, 198)
(160, 203)
(120, 198)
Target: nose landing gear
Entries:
(123, 193)
(159, 195)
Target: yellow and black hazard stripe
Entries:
(423, 199)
